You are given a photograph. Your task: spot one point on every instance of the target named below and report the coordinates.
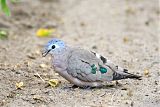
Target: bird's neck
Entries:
(61, 59)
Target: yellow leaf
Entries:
(19, 85)
(44, 32)
(53, 82)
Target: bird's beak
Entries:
(45, 52)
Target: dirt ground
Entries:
(126, 31)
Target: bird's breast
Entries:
(59, 63)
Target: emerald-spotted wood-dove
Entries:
(83, 68)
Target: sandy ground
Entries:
(126, 31)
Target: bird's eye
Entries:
(53, 46)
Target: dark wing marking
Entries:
(117, 76)
(103, 59)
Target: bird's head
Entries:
(54, 46)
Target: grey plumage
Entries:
(82, 60)
(84, 68)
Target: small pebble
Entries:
(43, 66)
(56, 74)
(146, 72)
(94, 47)
(125, 39)
(129, 93)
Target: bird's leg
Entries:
(84, 87)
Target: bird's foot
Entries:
(83, 87)
(87, 87)
(75, 86)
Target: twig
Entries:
(40, 77)
(54, 92)
(103, 94)
(112, 98)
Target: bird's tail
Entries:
(125, 75)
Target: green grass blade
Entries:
(5, 8)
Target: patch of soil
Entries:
(126, 32)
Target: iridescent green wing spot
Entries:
(103, 70)
(94, 68)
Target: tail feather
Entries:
(125, 75)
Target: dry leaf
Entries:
(19, 85)
(45, 32)
(53, 82)
(27, 63)
(17, 66)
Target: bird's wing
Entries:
(109, 63)
(118, 72)
(86, 66)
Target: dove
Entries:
(81, 67)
